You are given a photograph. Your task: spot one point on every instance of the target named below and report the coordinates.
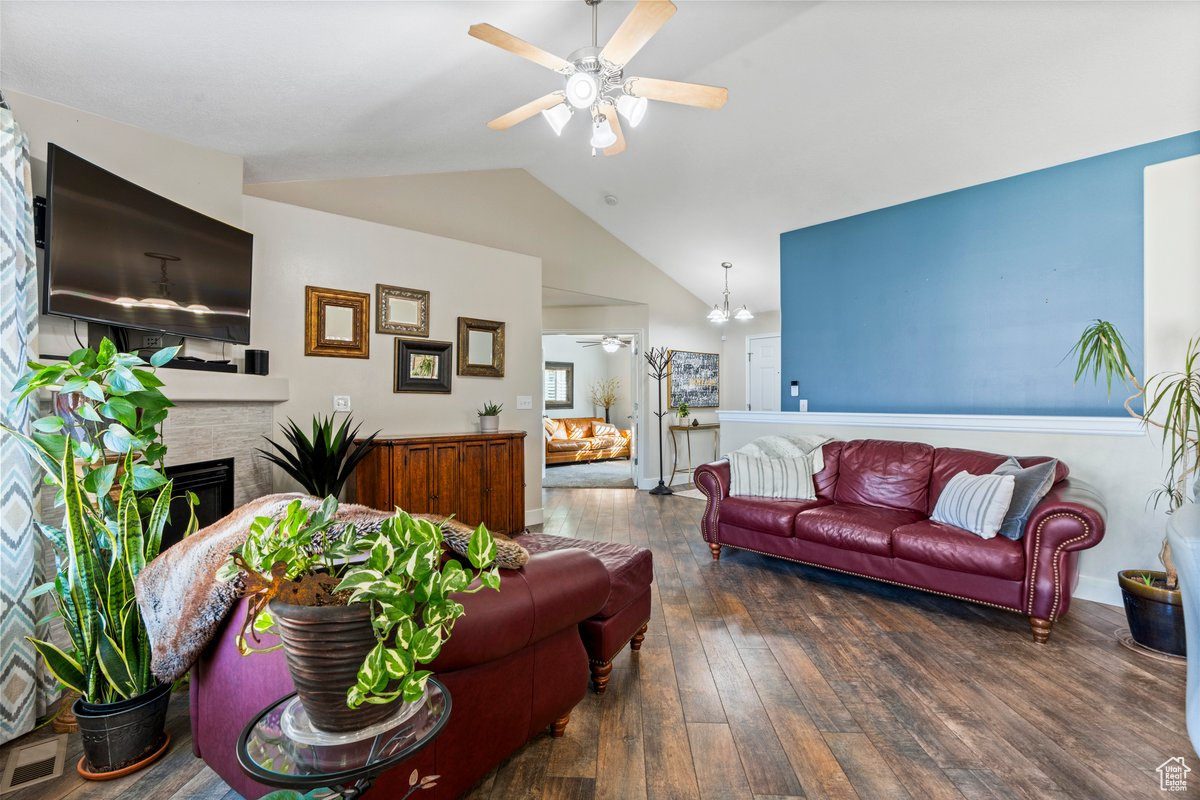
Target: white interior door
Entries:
(762, 373)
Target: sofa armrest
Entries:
(713, 482)
(553, 591)
(1070, 518)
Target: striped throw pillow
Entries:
(976, 503)
(778, 478)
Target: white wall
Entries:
(733, 355)
(205, 180)
(295, 247)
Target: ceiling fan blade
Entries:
(506, 41)
(617, 147)
(687, 94)
(506, 121)
(642, 23)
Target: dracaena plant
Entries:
(322, 463)
(398, 571)
(1171, 402)
(104, 458)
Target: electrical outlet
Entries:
(152, 342)
(803, 405)
(341, 402)
(524, 401)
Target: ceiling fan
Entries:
(611, 344)
(595, 78)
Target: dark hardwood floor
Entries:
(765, 679)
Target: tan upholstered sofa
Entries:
(577, 439)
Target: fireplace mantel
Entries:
(188, 386)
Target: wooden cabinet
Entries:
(477, 477)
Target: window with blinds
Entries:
(559, 389)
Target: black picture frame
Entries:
(423, 366)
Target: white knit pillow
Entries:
(777, 478)
(976, 503)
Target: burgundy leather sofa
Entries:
(514, 666)
(871, 518)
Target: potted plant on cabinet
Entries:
(324, 463)
(605, 394)
(383, 596)
(489, 417)
(106, 464)
(1171, 402)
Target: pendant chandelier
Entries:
(720, 314)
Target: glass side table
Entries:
(280, 749)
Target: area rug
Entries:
(589, 475)
(694, 494)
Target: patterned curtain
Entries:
(23, 682)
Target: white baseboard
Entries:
(534, 516)
(1100, 590)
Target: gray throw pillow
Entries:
(1032, 484)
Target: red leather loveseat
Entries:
(871, 518)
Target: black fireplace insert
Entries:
(211, 482)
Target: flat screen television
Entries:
(118, 254)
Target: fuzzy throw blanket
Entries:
(180, 598)
(183, 603)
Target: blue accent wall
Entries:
(967, 302)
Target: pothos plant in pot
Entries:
(105, 460)
(1171, 403)
(384, 597)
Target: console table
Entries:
(710, 427)
(477, 477)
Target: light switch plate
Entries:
(341, 402)
(524, 401)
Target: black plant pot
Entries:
(1155, 614)
(119, 735)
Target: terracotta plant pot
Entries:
(325, 646)
(1155, 614)
(118, 735)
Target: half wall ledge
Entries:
(1086, 426)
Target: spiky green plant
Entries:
(490, 409)
(1171, 402)
(321, 464)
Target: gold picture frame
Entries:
(336, 322)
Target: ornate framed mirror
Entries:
(401, 311)
(335, 323)
(480, 348)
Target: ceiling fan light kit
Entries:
(558, 116)
(595, 77)
(720, 313)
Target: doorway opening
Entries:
(591, 384)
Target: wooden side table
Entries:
(710, 427)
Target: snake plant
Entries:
(106, 464)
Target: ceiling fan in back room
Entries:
(611, 344)
(594, 79)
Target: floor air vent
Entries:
(34, 763)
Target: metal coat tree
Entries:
(659, 358)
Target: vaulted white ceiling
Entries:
(835, 108)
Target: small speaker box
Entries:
(257, 362)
